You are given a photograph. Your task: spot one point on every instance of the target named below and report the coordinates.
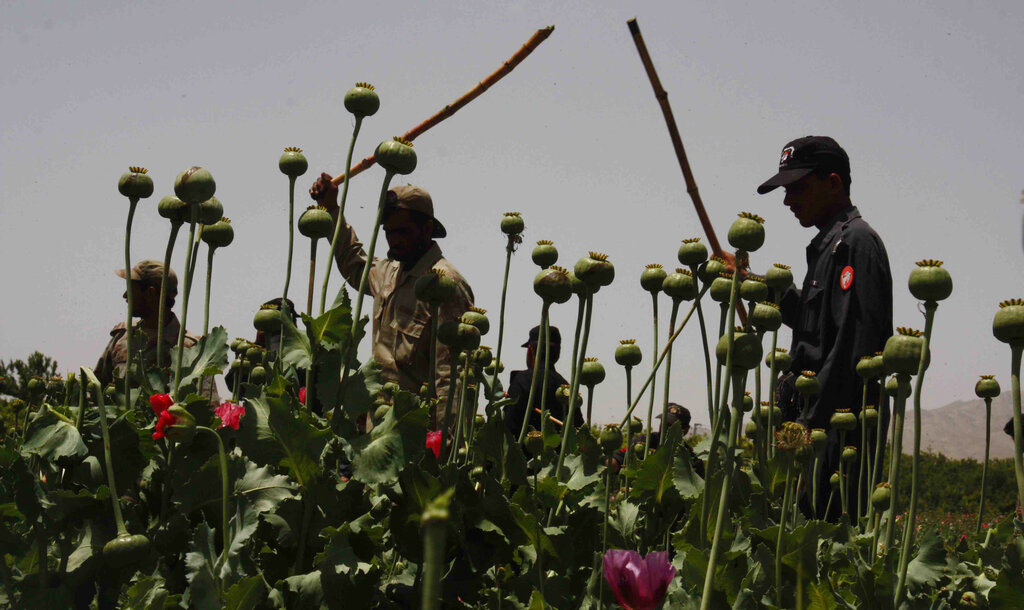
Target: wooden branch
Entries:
(673, 132)
(539, 412)
(510, 64)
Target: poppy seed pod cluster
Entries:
(746, 350)
(219, 234)
(136, 183)
(553, 285)
(316, 223)
(778, 277)
(267, 319)
(628, 353)
(807, 384)
(544, 254)
(292, 162)
(710, 270)
(435, 287)
(902, 353)
(747, 232)
(396, 156)
(362, 100)
(930, 282)
(1008, 324)
(680, 285)
(173, 209)
(692, 252)
(652, 277)
(595, 270)
(987, 387)
(753, 289)
(194, 186)
(512, 223)
(210, 211)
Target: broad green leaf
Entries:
(200, 565)
(687, 482)
(929, 565)
(295, 348)
(149, 593)
(246, 594)
(655, 474)
(302, 592)
(52, 438)
(207, 357)
(276, 430)
(1009, 589)
(399, 440)
(263, 489)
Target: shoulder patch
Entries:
(846, 277)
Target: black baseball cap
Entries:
(804, 155)
(556, 337)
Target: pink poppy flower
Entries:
(229, 414)
(638, 584)
(302, 395)
(434, 443)
(160, 402)
(164, 420)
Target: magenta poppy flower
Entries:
(229, 414)
(302, 395)
(160, 402)
(434, 443)
(164, 419)
(638, 584)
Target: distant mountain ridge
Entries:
(957, 430)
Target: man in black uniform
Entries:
(844, 309)
(519, 385)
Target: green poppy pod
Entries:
(652, 277)
(929, 281)
(478, 318)
(467, 336)
(136, 184)
(595, 270)
(55, 388)
(592, 372)
(268, 318)
(219, 234)
(316, 223)
(721, 288)
(544, 253)
(781, 358)
(435, 287)
(765, 409)
(987, 387)
(902, 352)
(246, 365)
(746, 350)
(753, 289)
(750, 430)
(258, 375)
(254, 353)
(898, 386)
(210, 211)
(481, 356)
(396, 156)
(562, 395)
(834, 480)
(807, 384)
(611, 439)
(636, 425)
(173, 209)
(849, 454)
(639, 451)
(765, 316)
(489, 369)
(512, 223)
(747, 232)
(747, 404)
(110, 392)
(236, 365)
(233, 346)
(819, 439)
(361, 100)
(680, 286)
(553, 285)
(628, 353)
(292, 162)
(125, 551)
(1008, 325)
(579, 287)
(184, 427)
(710, 270)
(869, 367)
(534, 442)
(843, 420)
(448, 333)
(381, 412)
(36, 387)
(868, 417)
(194, 186)
(778, 277)
(881, 497)
(692, 253)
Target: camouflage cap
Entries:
(152, 272)
(414, 199)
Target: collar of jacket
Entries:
(835, 225)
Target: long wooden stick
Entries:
(673, 132)
(531, 44)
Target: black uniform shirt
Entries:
(519, 388)
(843, 311)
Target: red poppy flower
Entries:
(160, 402)
(229, 414)
(302, 395)
(165, 419)
(434, 443)
(638, 584)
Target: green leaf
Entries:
(399, 440)
(200, 565)
(929, 565)
(245, 594)
(149, 593)
(687, 482)
(656, 474)
(53, 439)
(301, 592)
(277, 430)
(263, 489)
(207, 357)
(295, 349)
(1009, 589)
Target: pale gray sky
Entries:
(924, 96)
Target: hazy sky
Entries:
(924, 96)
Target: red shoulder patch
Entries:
(846, 278)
